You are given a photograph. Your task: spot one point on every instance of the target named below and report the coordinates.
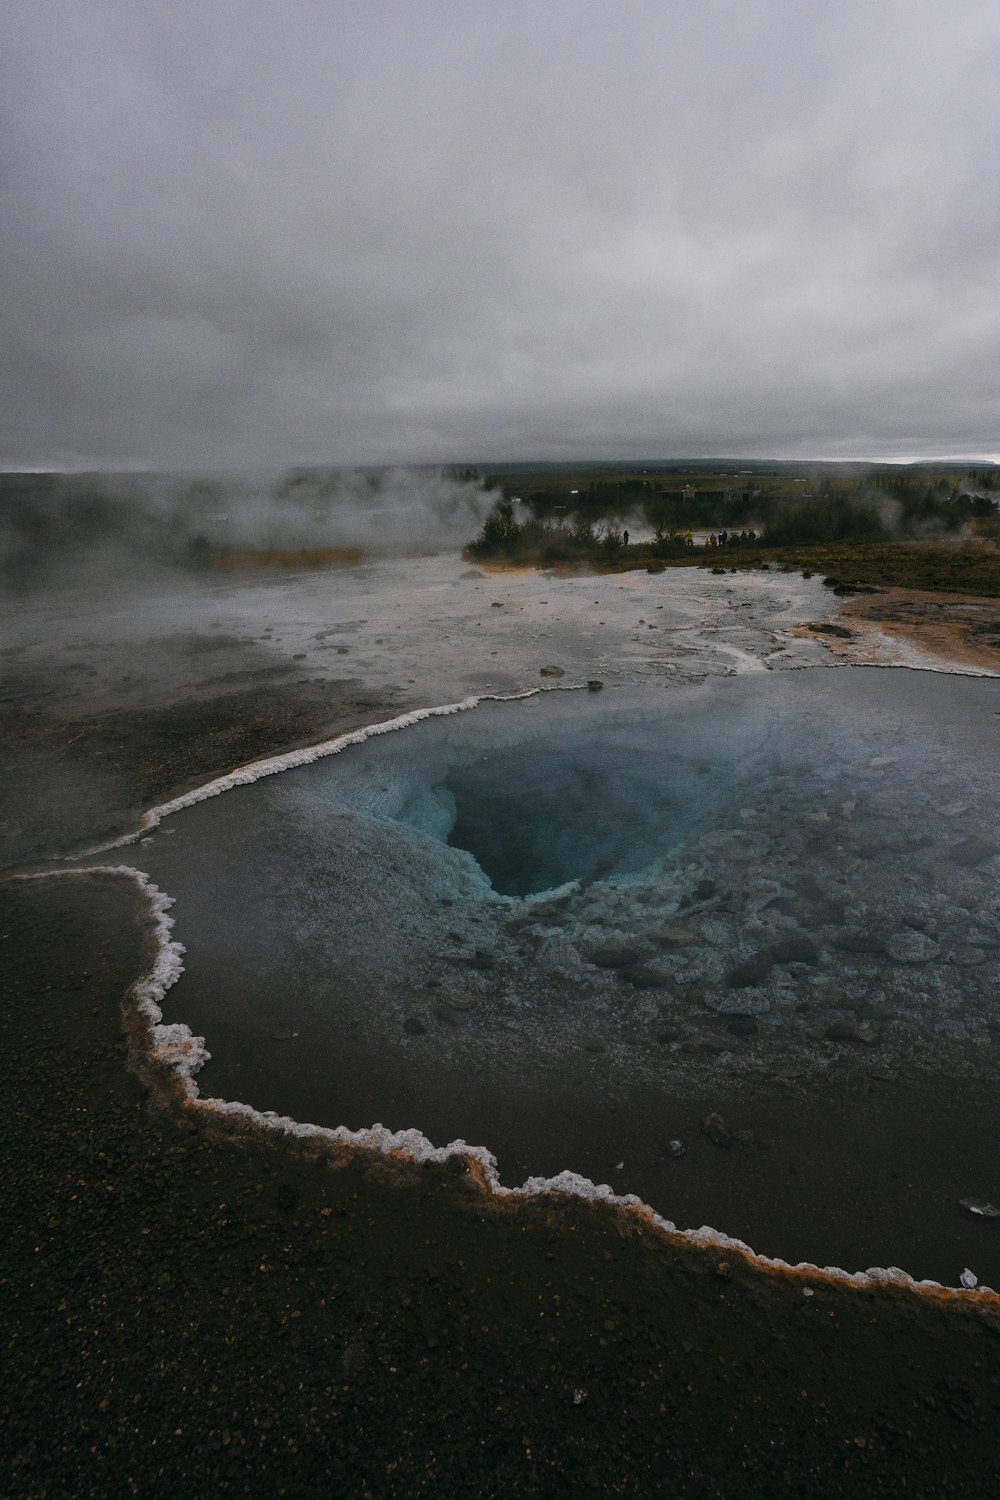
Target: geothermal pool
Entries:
(571, 926)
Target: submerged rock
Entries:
(674, 937)
(641, 976)
(911, 947)
(795, 950)
(854, 940)
(615, 955)
(867, 1031)
(718, 1132)
(459, 1000)
(706, 1041)
(593, 1044)
(973, 851)
(752, 971)
(747, 1005)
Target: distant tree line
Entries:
(564, 526)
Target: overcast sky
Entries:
(378, 231)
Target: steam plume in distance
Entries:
(61, 529)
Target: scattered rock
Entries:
(594, 685)
(838, 630)
(552, 671)
(910, 947)
(969, 1279)
(979, 1208)
(715, 1128)
(497, 604)
(674, 1149)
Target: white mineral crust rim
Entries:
(176, 1048)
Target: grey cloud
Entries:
(339, 232)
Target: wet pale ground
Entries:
(421, 630)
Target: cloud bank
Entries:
(240, 234)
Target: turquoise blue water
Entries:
(832, 833)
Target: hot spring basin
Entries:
(570, 927)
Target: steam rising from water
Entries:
(61, 529)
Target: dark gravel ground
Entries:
(66, 780)
(190, 1315)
